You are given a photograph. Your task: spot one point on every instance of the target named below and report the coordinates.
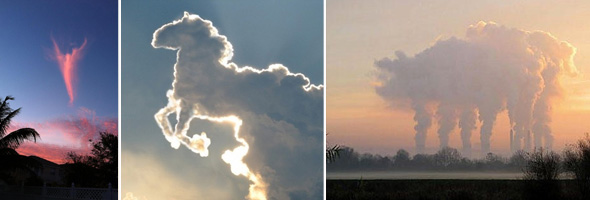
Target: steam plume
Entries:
(493, 69)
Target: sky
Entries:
(281, 121)
(359, 33)
(33, 76)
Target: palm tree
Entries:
(15, 138)
(9, 158)
(332, 152)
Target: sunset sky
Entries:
(32, 74)
(358, 33)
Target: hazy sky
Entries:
(360, 32)
(32, 75)
(261, 33)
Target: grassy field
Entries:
(450, 189)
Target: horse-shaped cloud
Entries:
(209, 87)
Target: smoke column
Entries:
(447, 119)
(492, 69)
(467, 125)
(423, 118)
(67, 64)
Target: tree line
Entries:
(446, 159)
(541, 168)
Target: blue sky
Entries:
(35, 80)
(261, 32)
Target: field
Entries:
(450, 189)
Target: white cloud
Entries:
(277, 115)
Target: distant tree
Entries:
(445, 159)
(368, 161)
(10, 160)
(518, 160)
(401, 158)
(577, 162)
(494, 162)
(384, 162)
(447, 156)
(348, 160)
(101, 165)
(422, 161)
(465, 164)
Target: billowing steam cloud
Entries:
(272, 104)
(67, 64)
(493, 69)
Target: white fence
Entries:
(59, 193)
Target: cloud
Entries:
(143, 173)
(68, 64)
(277, 115)
(64, 134)
(52, 152)
(494, 68)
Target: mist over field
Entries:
(393, 175)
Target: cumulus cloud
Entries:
(65, 134)
(494, 68)
(276, 115)
(68, 63)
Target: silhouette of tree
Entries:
(577, 162)
(105, 157)
(97, 169)
(541, 173)
(518, 160)
(493, 161)
(13, 139)
(542, 165)
(332, 152)
(401, 158)
(9, 158)
(447, 156)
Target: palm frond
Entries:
(5, 121)
(15, 138)
(4, 107)
(332, 153)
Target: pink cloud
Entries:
(67, 64)
(64, 134)
(51, 152)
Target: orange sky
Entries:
(360, 32)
